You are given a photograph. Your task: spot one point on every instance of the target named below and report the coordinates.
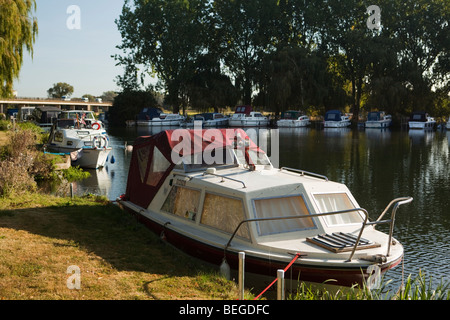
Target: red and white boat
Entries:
(239, 202)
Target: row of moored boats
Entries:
(244, 116)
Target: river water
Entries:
(376, 165)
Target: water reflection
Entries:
(377, 166)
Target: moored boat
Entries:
(216, 193)
(378, 119)
(163, 120)
(79, 134)
(335, 119)
(209, 119)
(421, 120)
(293, 119)
(244, 116)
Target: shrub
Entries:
(20, 162)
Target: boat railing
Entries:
(303, 172)
(396, 202)
(224, 177)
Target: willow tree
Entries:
(18, 29)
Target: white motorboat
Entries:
(293, 119)
(335, 119)
(79, 134)
(421, 120)
(206, 120)
(245, 117)
(216, 194)
(164, 119)
(378, 119)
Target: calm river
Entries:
(376, 165)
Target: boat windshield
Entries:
(331, 202)
(88, 115)
(373, 116)
(214, 158)
(282, 207)
(332, 117)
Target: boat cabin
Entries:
(419, 116)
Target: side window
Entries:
(225, 214)
(142, 157)
(183, 202)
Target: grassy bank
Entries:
(41, 236)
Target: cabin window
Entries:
(225, 214)
(258, 157)
(158, 167)
(282, 207)
(331, 202)
(183, 202)
(142, 157)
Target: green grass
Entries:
(42, 235)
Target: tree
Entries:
(128, 104)
(248, 31)
(59, 90)
(18, 29)
(209, 87)
(109, 96)
(164, 38)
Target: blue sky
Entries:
(80, 57)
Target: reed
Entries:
(414, 288)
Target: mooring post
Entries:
(280, 285)
(241, 275)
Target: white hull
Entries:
(159, 123)
(378, 124)
(293, 123)
(207, 123)
(336, 124)
(249, 123)
(421, 125)
(92, 158)
(87, 158)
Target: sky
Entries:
(73, 45)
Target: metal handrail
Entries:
(303, 172)
(366, 217)
(224, 177)
(398, 202)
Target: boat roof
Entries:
(154, 157)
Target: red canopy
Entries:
(152, 157)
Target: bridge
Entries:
(62, 104)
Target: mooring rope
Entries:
(297, 255)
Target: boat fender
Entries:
(113, 160)
(377, 258)
(225, 269)
(96, 126)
